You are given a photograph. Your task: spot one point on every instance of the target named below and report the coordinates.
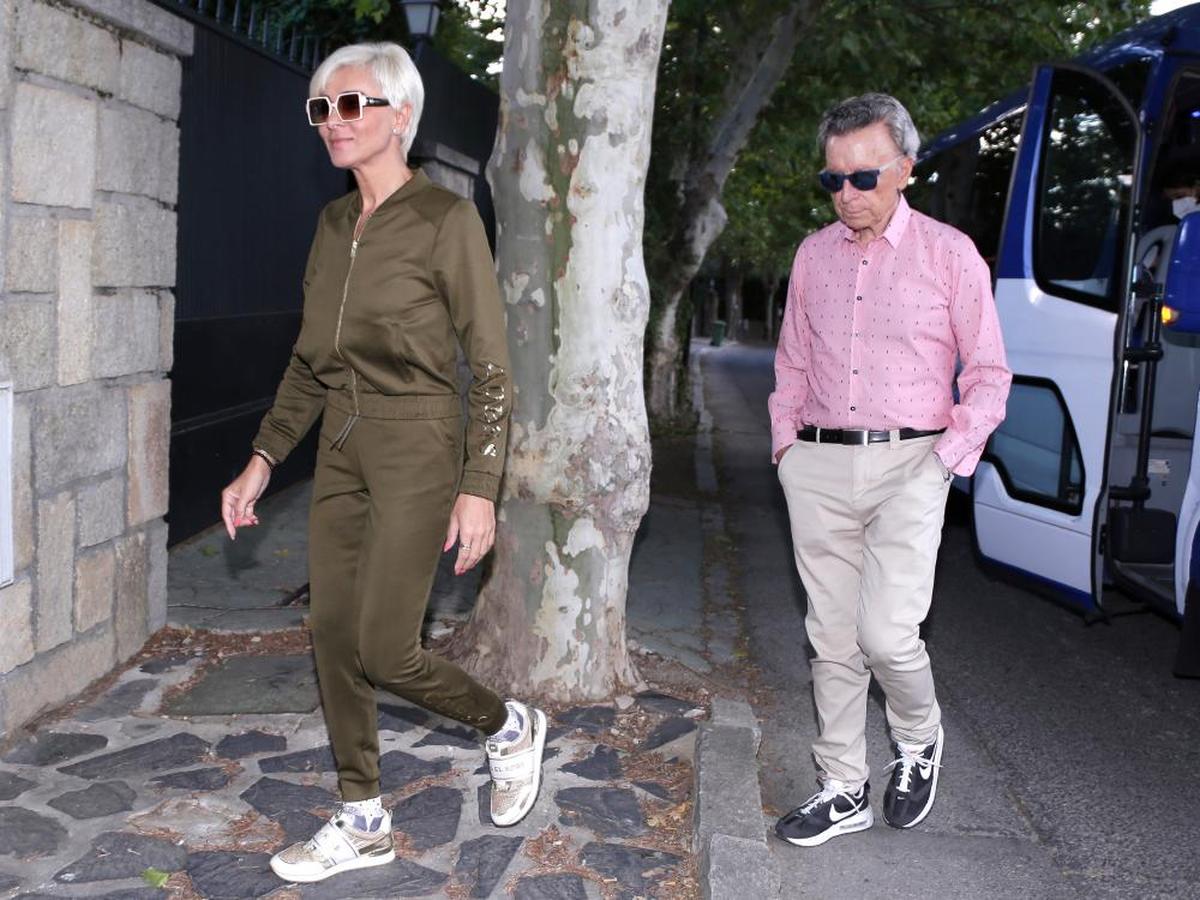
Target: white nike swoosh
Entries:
(835, 816)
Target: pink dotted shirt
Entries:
(871, 336)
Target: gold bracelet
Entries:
(265, 457)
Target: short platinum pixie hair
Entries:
(391, 66)
(859, 112)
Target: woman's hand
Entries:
(238, 499)
(473, 525)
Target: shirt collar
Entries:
(896, 227)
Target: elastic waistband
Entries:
(402, 406)
(859, 436)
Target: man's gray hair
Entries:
(867, 109)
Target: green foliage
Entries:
(470, 32)
(945, 60)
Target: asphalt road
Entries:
(1072, 761)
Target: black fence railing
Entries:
(254, 24)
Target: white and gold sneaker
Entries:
(339, 846)
(516, 765)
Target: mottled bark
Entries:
(702, 217)
(568, 174)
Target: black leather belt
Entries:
(858, 436)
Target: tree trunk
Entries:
(568, 174)
(702, 217)
(734, 278)
(773, 285)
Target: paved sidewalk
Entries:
(181, 776)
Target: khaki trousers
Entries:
(381, 506)
(866, 524)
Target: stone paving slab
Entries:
(128, 787)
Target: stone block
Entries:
(6, 32)
(16, 625)
(55, 570)
(166, 330)
(138, 153)
(149, 445)
(52, 41)
(78, 432)
(125, 333)
(727, 794)
(131, 618)
(736, 714)
(54, 677)
(736, 867)
(134, 245)
(94, 579)
(74, 309)
(101, 508)
(53, 147)
(27, 341)
(156, 587)
(150, 79)
(23, 534)
(32, 249)
(159, 26)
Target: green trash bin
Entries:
(718, 332)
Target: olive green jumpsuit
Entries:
(377, 354)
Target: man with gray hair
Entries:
(867, 434)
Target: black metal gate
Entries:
(252, 178)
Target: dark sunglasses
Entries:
(863, 179)
(349, 106)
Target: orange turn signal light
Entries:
(1169, 316)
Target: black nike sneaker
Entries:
(910, 792)
(832, 811)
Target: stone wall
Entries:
(89, 150)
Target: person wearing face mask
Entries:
(1181, 186)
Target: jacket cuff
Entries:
(277, 449)
(480, 484)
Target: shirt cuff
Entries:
(955, 457)
(782, 435)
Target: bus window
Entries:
(1083, 199)
(1035, 450)
(967, 185)
(1131, 78)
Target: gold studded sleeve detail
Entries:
(465, 273)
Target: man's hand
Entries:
(238, 499)
(782, 450)
(473, 525)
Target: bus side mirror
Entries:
(1181, 293)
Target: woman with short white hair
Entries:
(399, 275)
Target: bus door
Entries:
(1062, 288)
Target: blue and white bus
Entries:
(1093, 478)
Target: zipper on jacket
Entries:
(337, 348)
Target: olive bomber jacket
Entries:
(383, 317)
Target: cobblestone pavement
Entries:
(183, 774)
(183, 777)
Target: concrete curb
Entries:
(729, 836)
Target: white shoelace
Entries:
(907, 761)
(830, 790)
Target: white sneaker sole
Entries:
(304, 877)
(520, 811)
(860, 822)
